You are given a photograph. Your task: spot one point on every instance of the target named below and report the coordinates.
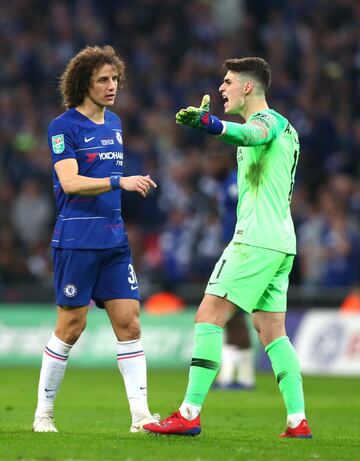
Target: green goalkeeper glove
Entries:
(200, 118)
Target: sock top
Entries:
(206, 328)
(276, 341)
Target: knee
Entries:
(269, 326)
(202, 317)
(207, 316)
(70, 331)
(208, 313)
(268, 336)
(133, 328)
(129, 330)
(257, 328)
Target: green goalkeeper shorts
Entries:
(252, 278)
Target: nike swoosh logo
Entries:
(213, 283)
(134, 288)
(89, 139)
(49, 390)
(142, 388)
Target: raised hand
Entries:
(200, 118)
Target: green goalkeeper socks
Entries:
(286, 367)
(205, 362)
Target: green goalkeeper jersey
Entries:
(267, 155)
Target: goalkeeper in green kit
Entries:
(252, 273)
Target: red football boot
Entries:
(175, 424)
(302, 431)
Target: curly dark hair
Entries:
(75, 81)
(258, 68)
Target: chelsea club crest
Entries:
(70, 290)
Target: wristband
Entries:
(211, 124)
(215, 125)
(115, 182)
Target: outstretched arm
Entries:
(261, 129)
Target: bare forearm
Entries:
(83, 185)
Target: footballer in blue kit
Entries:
(91, 254)
(90, 223)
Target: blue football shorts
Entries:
(82, 275)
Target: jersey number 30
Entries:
(132, 276)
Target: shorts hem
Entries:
(99, 302)
(224, 293)
(269, 309)
(72, 305)
(96, 301)
(218, 291)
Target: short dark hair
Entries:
(75, 81)
(256, 67)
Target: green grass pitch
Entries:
(93, 419)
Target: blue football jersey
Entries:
(88, 222)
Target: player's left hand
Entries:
(140, 184)
(200, 118)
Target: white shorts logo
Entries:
(70, 290)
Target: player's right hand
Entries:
(200, 118)
(140, 184)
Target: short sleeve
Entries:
(62, 141)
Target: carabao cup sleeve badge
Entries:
(58, 143)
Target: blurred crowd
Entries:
(174, 51)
